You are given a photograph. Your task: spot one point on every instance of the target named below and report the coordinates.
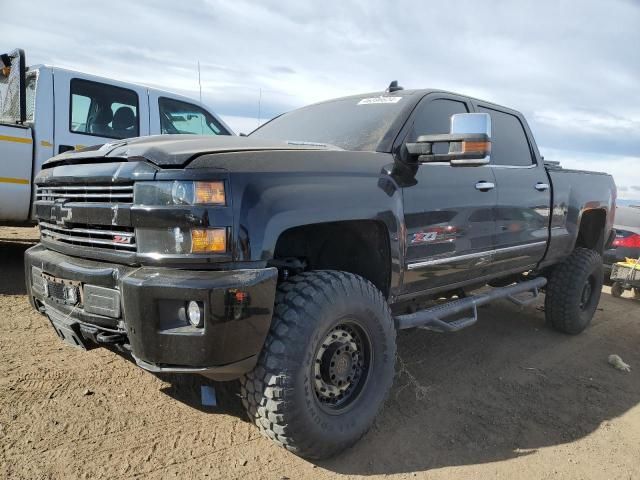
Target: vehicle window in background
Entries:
(509, 145)
(30, 88)
(103, 110)
(433, 117)
(628, 217)
(80, 106)
(178, 117)
(354, 123)
(10, 97)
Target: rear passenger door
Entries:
(89, 111)
(524, 194)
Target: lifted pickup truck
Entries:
(289, 259)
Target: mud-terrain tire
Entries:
(617, 290)
(328, 327)
(573, 291)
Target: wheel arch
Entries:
(591, 230)
(361, 247)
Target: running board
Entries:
(434, 318)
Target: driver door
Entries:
(449, 211)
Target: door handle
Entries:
(485, 186)
(541, 187)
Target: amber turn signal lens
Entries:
(476, 147)
(208, 240)
(211, 193)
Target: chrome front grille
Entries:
(114, 238)
(86, 193)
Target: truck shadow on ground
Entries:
(11, 266)
(499, 390)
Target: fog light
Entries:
(205, 240)
(195, 315)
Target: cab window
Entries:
(433, 117)
(103, 110)
(509, 144)
(178, 117)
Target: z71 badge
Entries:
(423, 237)
(434, 235)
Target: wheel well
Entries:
(591, 232)
(360, 247)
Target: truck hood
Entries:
(176, 151)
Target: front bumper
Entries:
(150, 320)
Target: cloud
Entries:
(572, 71)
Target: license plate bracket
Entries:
(59, 290)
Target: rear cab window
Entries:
(177, 117)
(103, 110)
(509, 143)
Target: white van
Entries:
(48, 110)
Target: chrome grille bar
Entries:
(88, 236)
(88, 231)
(87, 193)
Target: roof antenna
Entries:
(394, 87)
(199, 82)
(200, 88)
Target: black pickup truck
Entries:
(290, 258)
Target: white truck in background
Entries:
(47, 110)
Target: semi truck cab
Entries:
(47, 110)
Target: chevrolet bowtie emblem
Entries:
(60, 214)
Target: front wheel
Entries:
(327, 364)
(573, 291)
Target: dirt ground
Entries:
(507, 398)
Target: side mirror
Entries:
(469, 142)
(13, 102)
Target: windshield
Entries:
(354, 123)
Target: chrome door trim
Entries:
(469, 256)
(533, 165)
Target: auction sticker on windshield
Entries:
(373, 100)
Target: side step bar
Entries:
(434, 318)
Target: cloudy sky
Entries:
(572, 67)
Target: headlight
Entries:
(179, 192)
(172, 241)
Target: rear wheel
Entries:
(327, 364)
(573, 291)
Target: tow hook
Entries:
(110, 338)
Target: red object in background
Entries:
(632, 241)
(241, 297)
